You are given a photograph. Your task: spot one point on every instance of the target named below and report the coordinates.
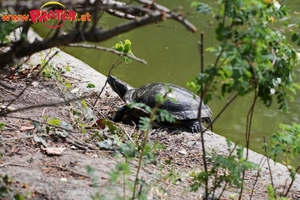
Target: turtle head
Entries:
(117, 85)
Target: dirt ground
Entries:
(63, 175)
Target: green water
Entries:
(172, 55)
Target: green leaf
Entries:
(68, 84)
(67, 68)
(119, 47)
(145, 124)
(165, 116)
(54, 121)
(90, 85)
(1, 125)
(295, 37)
(19, 197)
(84, 104)
(202, 7)
(298, 43)
(127, 46)
(195, 4)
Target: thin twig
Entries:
(3, 142)
(293, 179)
(256, 178)
(247, 135)
(12, 93)
(71, 77)
(221, 180)
(129, 136)
(7, 86)
(201, 51)
(13, 164)
(269, 166)
(41, 122)
(118, 62)
(5, 112)
(19, 138)
(224, 108)
(249, 123)
(83, 146)
(87, 46)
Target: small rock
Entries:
(63, 180)
(54, 150)
(183, 151)
(75, 90)
(35, 83)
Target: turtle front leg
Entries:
(121, 113)
(193, 125)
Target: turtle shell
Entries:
(185, 106)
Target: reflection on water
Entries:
(172, 55)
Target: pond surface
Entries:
(172, 55)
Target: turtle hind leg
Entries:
(208, 121)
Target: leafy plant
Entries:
(252, 58)
(226, 170)
(285, 143)
(52, 72)
(272, 194)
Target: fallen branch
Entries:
(13, 164)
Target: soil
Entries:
(53, 164)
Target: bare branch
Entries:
(108, 50)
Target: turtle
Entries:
(182, 103)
